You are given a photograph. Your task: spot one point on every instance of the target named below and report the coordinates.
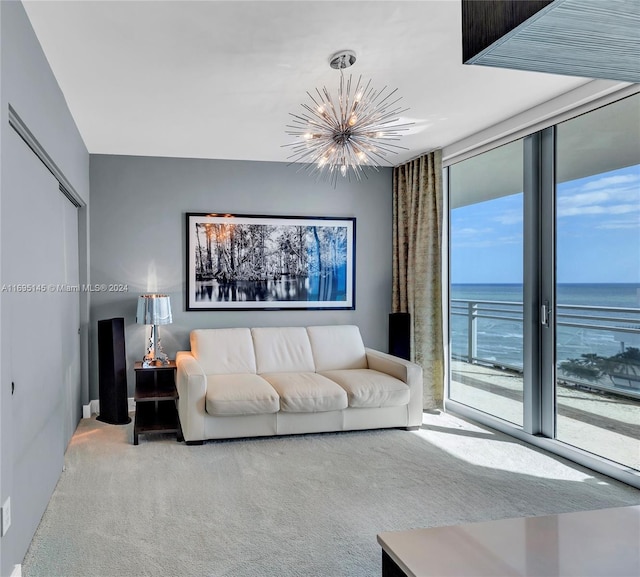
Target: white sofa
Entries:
(243, 382)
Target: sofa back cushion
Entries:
(282, 350)
(224, 351)
(337, 347)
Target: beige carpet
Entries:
(306, 505)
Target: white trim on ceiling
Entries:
(573, 103)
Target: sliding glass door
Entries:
(486, 282)
(545, 286)
(598, 282)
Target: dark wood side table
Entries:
(155, 398)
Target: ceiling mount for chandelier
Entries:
(342, 59)
(356, 130)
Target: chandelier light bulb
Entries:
(331, 135)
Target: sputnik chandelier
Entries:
(356, 130)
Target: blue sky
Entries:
(598, 233)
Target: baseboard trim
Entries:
(93, 408)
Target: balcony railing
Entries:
(610, 327)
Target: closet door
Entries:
(37, 315)
(70, 327)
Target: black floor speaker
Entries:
(399, 335)
(112, 373)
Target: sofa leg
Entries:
(412, 428)
(194, 443)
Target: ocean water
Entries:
(501, 341)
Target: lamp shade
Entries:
(154, 310)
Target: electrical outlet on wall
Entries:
(6, 516)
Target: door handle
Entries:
(545, 313)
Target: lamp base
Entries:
(148, 363)
(155, 355)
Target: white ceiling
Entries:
(213, 79)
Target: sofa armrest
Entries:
(191, 383)
(408, 372)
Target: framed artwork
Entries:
(249, 262)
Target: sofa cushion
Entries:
(367, 388)
(223, 351)
(337, 347)
(307, 392)
(240, 394)
(282, 350)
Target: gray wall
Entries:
(28, 85)
(138, 208)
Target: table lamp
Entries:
(154, 310)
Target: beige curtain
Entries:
(417, 266)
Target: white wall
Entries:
(138, 208)
(29, 87)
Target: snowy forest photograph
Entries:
(255, 262)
